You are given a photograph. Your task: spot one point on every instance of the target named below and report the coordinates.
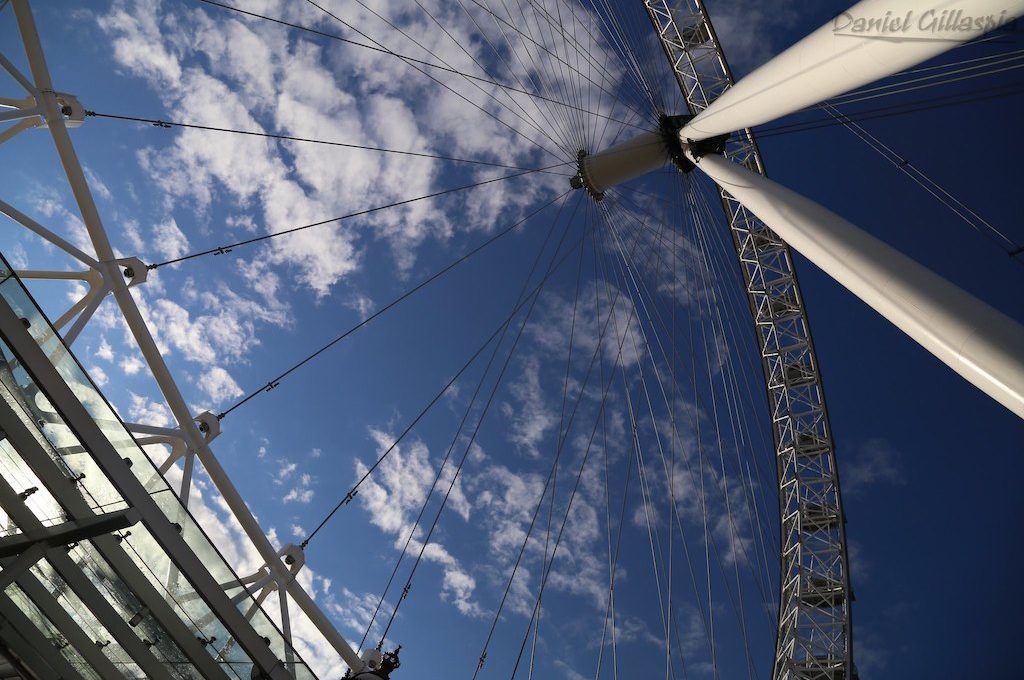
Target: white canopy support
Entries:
(977, 341)
(60, 111)
(871, 40)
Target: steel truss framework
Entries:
(152, 591)
(814, 637)
(106, 275)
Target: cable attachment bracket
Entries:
(580, 180)
(677, 147)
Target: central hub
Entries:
(639, 156)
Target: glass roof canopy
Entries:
(105, 574)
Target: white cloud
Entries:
(747, 28)
(168, 239)
(876, 462)
(393, 496)
(247, 75)
(97, 185)
(597, 319)
(285, 471)
(219, 385)
(131, 365)
(146, 411)
(105, 351)
(98, 375)
(302, 491)
(533, 419)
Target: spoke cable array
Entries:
(222, 250)
(703, 465)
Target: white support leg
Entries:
(838, 57)
(980, 343)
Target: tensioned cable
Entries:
(479, 65)
(221, 250)
(713, 313)
(490, 114)
(647, 495)
(543, 47)
(609, 617)
(545, 112)
(703, 249)
(536, 512)
(958, 207)
(271, 384)
(561, 423)
(646, 491)
(704, 229)
(710, 541)
(968, 97)
(161, 123)
(572, 496)
(462, 423)
(934, 80)
(528, 120)
(654, 540)
(574, 126)
(586, 456)
(708, 537)
(545, 72)
(707, 212)
(355, 488)
(382, 50)
(469, 444)
(716, 421)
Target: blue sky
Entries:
(929, 464)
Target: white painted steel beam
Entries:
(110, 269)
(85, 429)
(843, 55)
(70, 498)
(980, 343)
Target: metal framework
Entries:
(815, 633)
(105, 274)
(57, 430)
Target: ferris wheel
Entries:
(609, 149)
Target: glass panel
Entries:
(52, 435)
(60, 443)
(50, 632)
(130, 608)
(21, 478)
(85, 619)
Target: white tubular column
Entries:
(977, 341)
(627, 160)
(843, 55)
